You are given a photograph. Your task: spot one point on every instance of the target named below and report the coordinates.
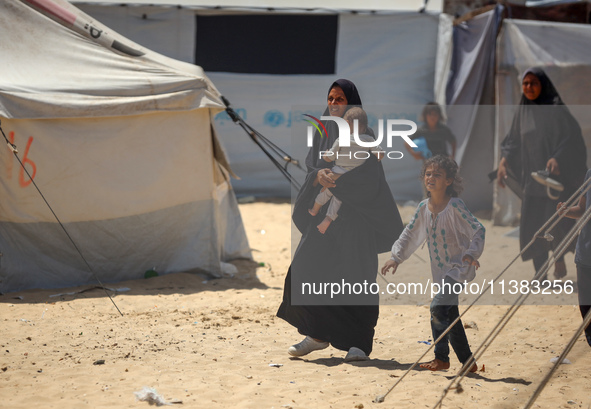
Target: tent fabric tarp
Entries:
(122, 148)
(390, 57)
(89, 79)
(242, 5)
(571, 11)
(470, 103)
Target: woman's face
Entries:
(531, 86)
(337, 102)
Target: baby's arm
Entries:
(573, 212)
(331, 155)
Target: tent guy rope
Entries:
(260, 139)
(14, 150)
(558, 252)
(551, 222)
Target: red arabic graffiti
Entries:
(23, 179)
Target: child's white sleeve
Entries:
(413, 235)
(477, 243)
(477, 231)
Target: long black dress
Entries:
(368, 224)
(544, 129)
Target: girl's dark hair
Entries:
(432, 107)
(451, 169)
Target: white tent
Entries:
(388, 49)
(120, 142)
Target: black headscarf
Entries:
(542, 129)
(350, 90)
(323, 144)
(548, 96)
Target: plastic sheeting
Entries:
(470, 104)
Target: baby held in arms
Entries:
(345, 159)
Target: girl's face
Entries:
(531, 86)
(337, 102)
(432, 118)
(436, 179)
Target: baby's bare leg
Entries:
(315, 209)
(324, 225)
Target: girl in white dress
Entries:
(456, 240)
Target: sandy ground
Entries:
(211, 343)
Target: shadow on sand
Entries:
(184, 283)
(393, 365)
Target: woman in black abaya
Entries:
(368, 224)
(543, 136)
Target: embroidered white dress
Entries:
(450, 235)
